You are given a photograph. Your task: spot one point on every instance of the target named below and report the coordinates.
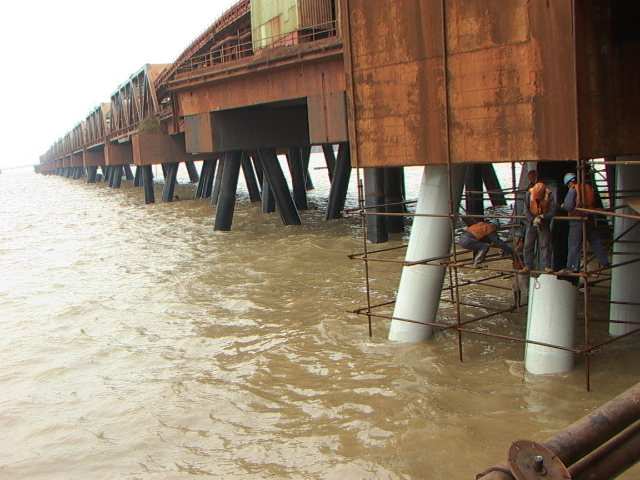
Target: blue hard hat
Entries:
(495, 222)
(569, 177)
(520, 232)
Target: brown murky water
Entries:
(138, 344)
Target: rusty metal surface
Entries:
(93, 158)
(156, 147)
(393, 56)
(608, 71)
(327, 118)
(531, 461)
(587, 434)
(489, 81)
(232, 15)
(285, 21)
(135, 100)
(118, 153)
(479, 102)
(97, 124)
(293, 81)
(312, 67)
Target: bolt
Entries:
(538, 466)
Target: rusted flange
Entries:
(531, 461)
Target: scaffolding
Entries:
(594, 282)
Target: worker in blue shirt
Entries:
(581, 195)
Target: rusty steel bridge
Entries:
(453, 85)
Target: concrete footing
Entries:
(551, 319)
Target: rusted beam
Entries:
(587, 434)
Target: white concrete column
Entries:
(625, 279)
(421, 285)
(551, 319)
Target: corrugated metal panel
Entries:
(271, 20)
(280, 21)
(315, 12)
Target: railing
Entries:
(236, 48)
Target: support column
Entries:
(421, 285)
(137, 179)
(551, 318)
(206, 178)
(250, 178)
(297, 178)
(474, 203)
(306, 157)
(170, 174)
(493, 185)
(147, 182)
(393, 193)
(91, 174)
(330, 158)
(229, 185)
(127, 171)
(217, 179)
(192, 171)
(373, 197)
(339, 183)
(268, 200)
(625, 279)
(278, 183)
(116, 176)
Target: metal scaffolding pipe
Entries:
(612, 458)
(587, 434)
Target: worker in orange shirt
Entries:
(481, 236)
(539, 210)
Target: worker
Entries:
(520, 285)
(539, 209)
(581, 195)
(481, 236)
(532, 175)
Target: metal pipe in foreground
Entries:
(587, 434)
(612, 459)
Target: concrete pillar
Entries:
(551, 318)
(625, 279)
(421, 285)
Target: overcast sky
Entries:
(62, 58)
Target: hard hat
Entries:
(495, 222)
(569, 177)
(520, 232)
